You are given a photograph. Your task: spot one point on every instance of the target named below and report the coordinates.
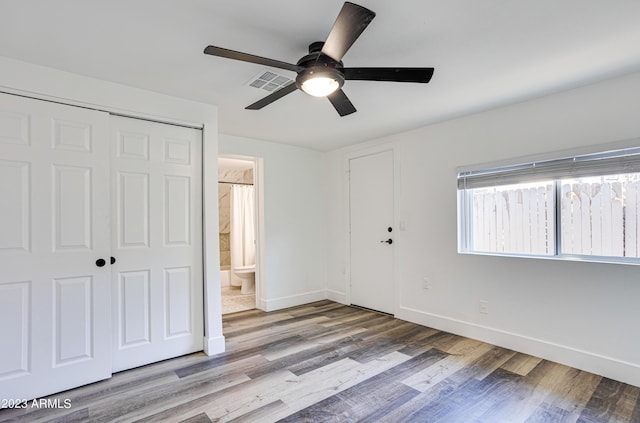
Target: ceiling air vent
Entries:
(269, 81)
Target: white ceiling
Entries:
(486, 53)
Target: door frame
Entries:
(258, 184)
(27, 80)
(363, 152)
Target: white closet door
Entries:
(156, 241)
(55, 303)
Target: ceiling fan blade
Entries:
(422, 75)
(349, 24)
(276, 95)
(341, 103)
(245, 57)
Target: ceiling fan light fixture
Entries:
(320, 86)
(319, 82)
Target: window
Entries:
(515, 219)
(582, 206)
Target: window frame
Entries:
(623, 149)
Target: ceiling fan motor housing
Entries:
(318, 65)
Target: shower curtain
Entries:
(242, 234)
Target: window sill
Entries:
(564, 257)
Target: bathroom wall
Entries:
(224, 208)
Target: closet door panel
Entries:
(55, 303)
(158, 279)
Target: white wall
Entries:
(582, 314)
(294, 220)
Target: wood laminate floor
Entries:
(326, 362)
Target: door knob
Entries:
(100, 262)
(388, 241)
(113, 260)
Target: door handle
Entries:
(101, 262)
(388, 241)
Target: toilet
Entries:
(247, 274)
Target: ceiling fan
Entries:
(321, 72)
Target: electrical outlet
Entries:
(426, 284)
(484, 306)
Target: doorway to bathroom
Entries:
(238, 212)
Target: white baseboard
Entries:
(595, 363)
(337, 296)
(293, 300)
(214, 345)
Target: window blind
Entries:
(607, 163)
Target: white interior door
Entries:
(156, 241)
(55, 320)
(371, 218)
